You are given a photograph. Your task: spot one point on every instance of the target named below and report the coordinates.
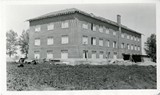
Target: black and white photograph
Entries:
(81, 47)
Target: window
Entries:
(114, 33)
(135, 47)
(101, 55)
(85, 54)
(107, 30)
(94, 55)
(107, 43)
(36, 54)
(65, 39)
(122, 45)
(50, 41)
(114, 44)
(85, 26)
(131, 37)
(37, 28)
(101, 29)
(64, 54)
(135, 38)
(122, 35)
(115, 55)
(65, 24)
(100, 42)
(93, 27)
(50, 26)
(128, 46)
(49, 54)
(93, 40)
(138, 48)
(127, 36)
(138, 39)
(107, 54)
(85, 40)
(131, 47)
(37, 42)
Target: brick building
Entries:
(72, 33)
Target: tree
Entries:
(24, 42)
(150, 47)
(11, 43)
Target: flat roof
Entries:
(74, 10)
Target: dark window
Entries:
(91, 26)
(92, 40)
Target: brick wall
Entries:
(75, 32)
(56, 34)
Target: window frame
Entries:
(85, 25)
(132, 47)
(101, 42)
(63, 41)
(114, 33)
(128, 46)
(127, 36)
(39, 41)
(66, 52)
(100, 29)
(122, 35)
(101, 53)
(135, 38)
(94, 52)
(37, 27)
(93, 40)
(107, 43)
(49, 26)
(48, 40)
(37, 52)
(93, 27)
(83, 41)
(135, 47)
(139, 48)
(65, 24)
(122, 45)
(107, 31)
(114, 44)
(50, 52)
(131, 37)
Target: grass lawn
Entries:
(81, 77)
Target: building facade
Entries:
(72, 33)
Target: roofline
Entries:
(133, 31)
(86, 14)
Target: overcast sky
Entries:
(139, 17)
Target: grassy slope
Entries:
(61, 77)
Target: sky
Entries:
(140, 17)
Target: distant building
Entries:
(72, 33)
